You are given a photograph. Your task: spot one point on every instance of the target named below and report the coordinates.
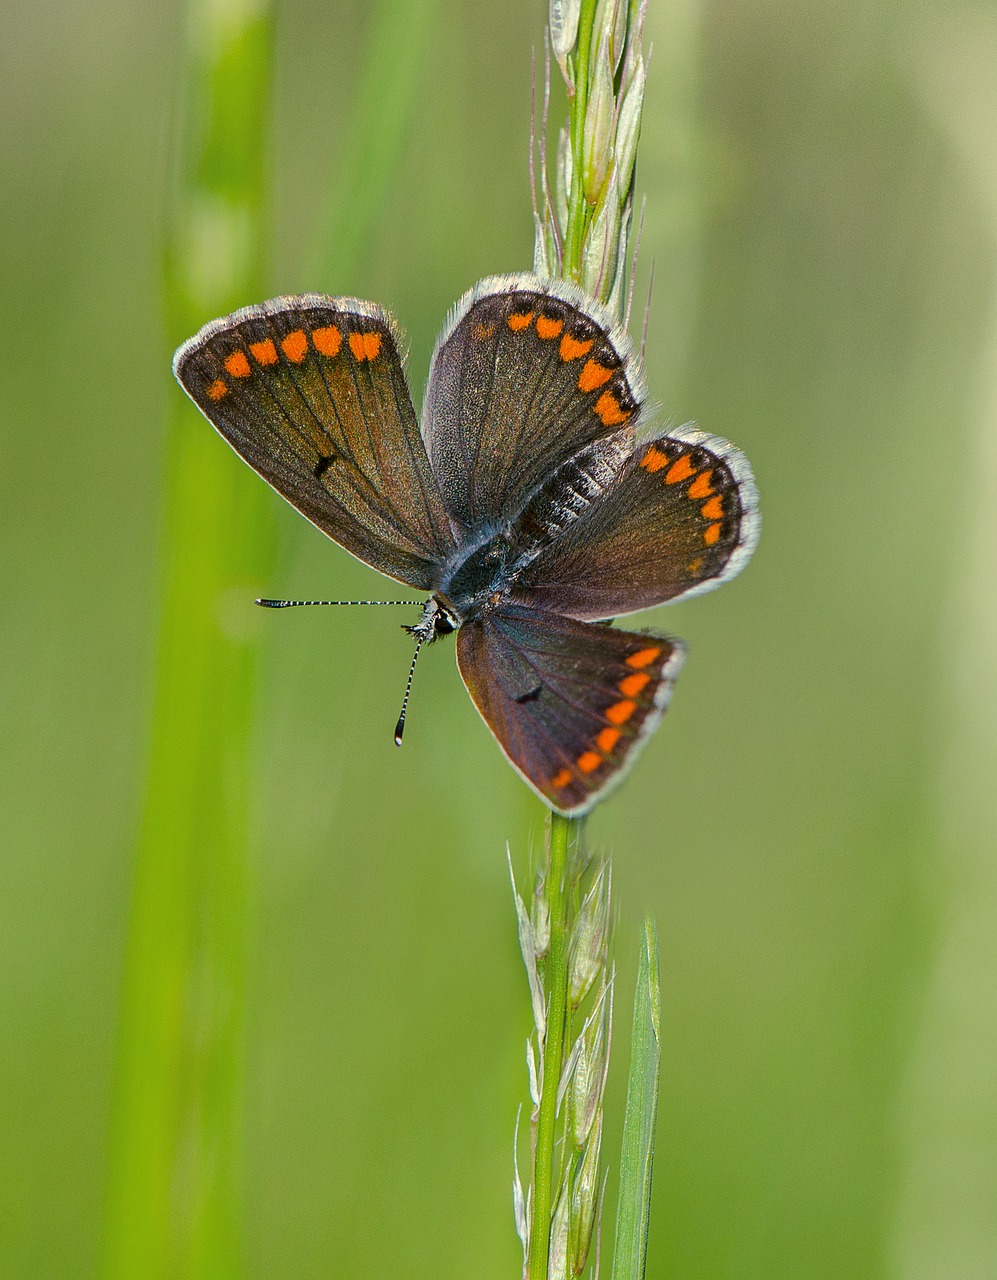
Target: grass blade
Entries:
(173, 1194)
(394, 76)
(630, 1251)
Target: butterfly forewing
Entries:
(569, 702)
(524, 378)
(679, 517)
(310, 392)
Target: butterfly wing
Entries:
(678, 518)
(570, 703)
(310, 392)
(526, 374)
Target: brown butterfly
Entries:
(527, 505)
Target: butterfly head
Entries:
(437, 620)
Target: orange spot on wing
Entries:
(217, 390)
(695, 567)
(520, 320)
(573, 348)
(264, 352)
(548, 326)
(480, 332)
(593, 375)
(607, 740)
(237, 365)
(620, 712)
(295, 346)
(700, 487)
(327, 340)
(588, 761)
(713, 509)
(561, 779)
(681, 470)
(632, 685)
(643, 657)
(365, 346)
(712, 534)
(654, 460)
(609, 410)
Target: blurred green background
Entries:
(814, 825)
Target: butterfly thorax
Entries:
(479, 581)
(482, 577)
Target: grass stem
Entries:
(173, 1204)
(597, 147)
(560, 833)
(577, 205)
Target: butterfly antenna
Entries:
(400, 726)
(296, 604)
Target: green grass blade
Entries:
(394, 75)
(173, 1194)
(633, 1210)
(563, 833)
(174, 1183)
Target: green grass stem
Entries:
(173, 1202)
(637, 1155)
(577, 206)
(173, 1197)
(393, 77)
(608, 249)
(561, 832)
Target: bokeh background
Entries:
(815, 825)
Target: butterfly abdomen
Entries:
(487, 572)
(566, 495)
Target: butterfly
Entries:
(528, 504)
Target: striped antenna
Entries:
(295, 604)
(400, 726)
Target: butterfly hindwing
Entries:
(527, 373)
(310, 392)
(678, 518)
(570, 703)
